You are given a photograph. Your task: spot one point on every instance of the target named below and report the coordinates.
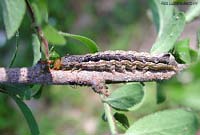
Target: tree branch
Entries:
(40, 74)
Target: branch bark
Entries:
(40, 74)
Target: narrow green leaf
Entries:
(28, 115)
(36, 49)
(13, 13)
(169, 122)
(53, 36)
(92, 46)
(171, 32)
(122, 119)
(193, 12)
(126, 96)
(182, 50)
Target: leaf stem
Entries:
(111, 121)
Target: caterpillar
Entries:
(117, 61)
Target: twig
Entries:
(40, 74)
(38, 29)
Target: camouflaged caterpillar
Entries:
(118, 61)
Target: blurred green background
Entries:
(61, 110)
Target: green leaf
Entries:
(53, 36)
(23, 91)
(149, 101)
(161, 15)
(13, 13)
(40, 11)
(28, 115)
(169, 122)
(193, 55)
(198, 41)
(16, 50)
(27, 94)
(126, 96)
(154, 13)
(36, 49)
(54, 55)
(37, 15)
(44, 10)
(192, 12)
(194, 71)
(92, 46)
(36, 91)
(17, 89)
(183, 51)
(184, 90)
(122, 119)
(171, 32)
(161, 95)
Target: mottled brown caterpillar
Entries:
(117, 61)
